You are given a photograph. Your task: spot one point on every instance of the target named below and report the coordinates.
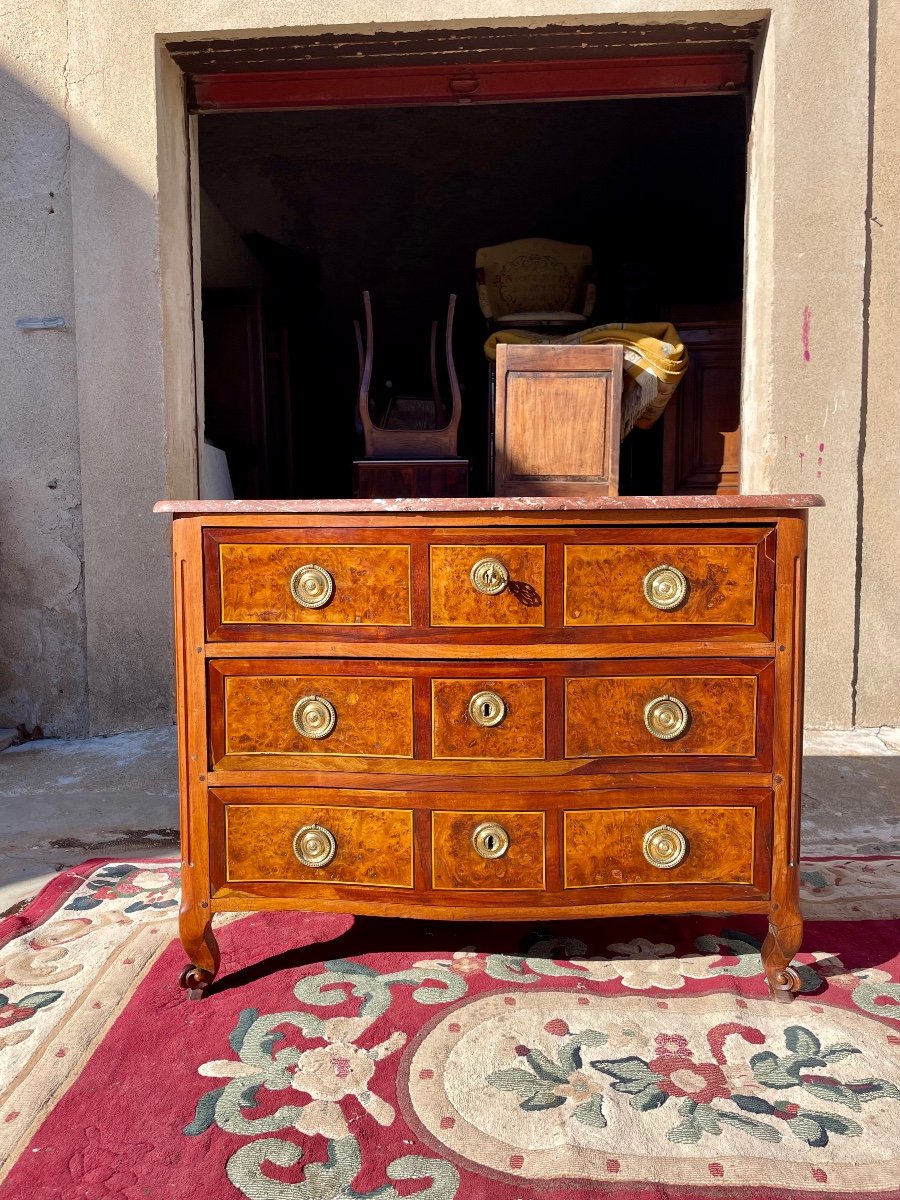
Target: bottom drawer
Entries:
(268, 843)
(612, 847)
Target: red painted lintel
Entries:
(484, 83)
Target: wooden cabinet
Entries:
(702, 422)
(557, 415)
(491, 709)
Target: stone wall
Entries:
(42, 626)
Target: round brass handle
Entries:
(315, 845)
(666, 717)
(489, 576)
(490, 840)
(312, 586)
(665, 588)
(487, 709)
(664, 846)
(314, 716)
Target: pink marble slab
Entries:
(477, 504)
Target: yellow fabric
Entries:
(653, 347)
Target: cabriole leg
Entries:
(781, 944)
(195, 929)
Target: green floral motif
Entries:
(703, 1086)
(551, 1083)
(707, 1090)
(328, 1074)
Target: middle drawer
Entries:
(548, 718)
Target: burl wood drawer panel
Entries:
(370, 584)
(372, 846)
(618, 584)
(613, 715)
(291, 714)
(457, 865)
(519, 732)
(667, 845)
(456, 601)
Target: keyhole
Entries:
(487, 710)
(489, 841)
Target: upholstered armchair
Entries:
(535, 282)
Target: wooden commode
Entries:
(498, 709)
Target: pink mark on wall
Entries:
(804, 333)
(820, 460)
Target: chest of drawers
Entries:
(491, 709)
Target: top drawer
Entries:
(310, 584)
(524, 586)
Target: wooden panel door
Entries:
(702, 431)
(557, 419)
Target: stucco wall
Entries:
(878, 677)
(42, 662)
(807, 289)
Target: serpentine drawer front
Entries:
(271, 584)
(505, 709)
(483, 585)
(663, 584)
(664, 846)
(267, 843)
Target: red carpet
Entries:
(364, 1058)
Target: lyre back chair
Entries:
(387, 442)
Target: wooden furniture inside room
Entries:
(557, 411)
(493, 709)
(247, 382)
(374, 477)
(701, 453)
(535, 282)
(435, 435)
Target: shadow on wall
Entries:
(44, 649)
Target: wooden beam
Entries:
(487, 83)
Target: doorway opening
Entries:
(303, 210)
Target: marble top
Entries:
(481, 504)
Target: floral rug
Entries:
(362, 1058)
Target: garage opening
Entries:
(302, 211)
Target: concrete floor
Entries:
(63, 802)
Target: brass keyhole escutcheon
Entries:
(665, 588)
(489, 576)
(490, 840)
(664, 846)
(312, 586)
(666, 717)
(314, 717)
(314, 845)
(487, 709)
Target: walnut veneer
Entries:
(491, 709)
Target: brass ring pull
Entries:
(487, 709)
(312, 586)
(314, 717)
(490, 840)
(664, 846)
(489, 576)
(314, 845)
(666, 717)
(665, 588)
